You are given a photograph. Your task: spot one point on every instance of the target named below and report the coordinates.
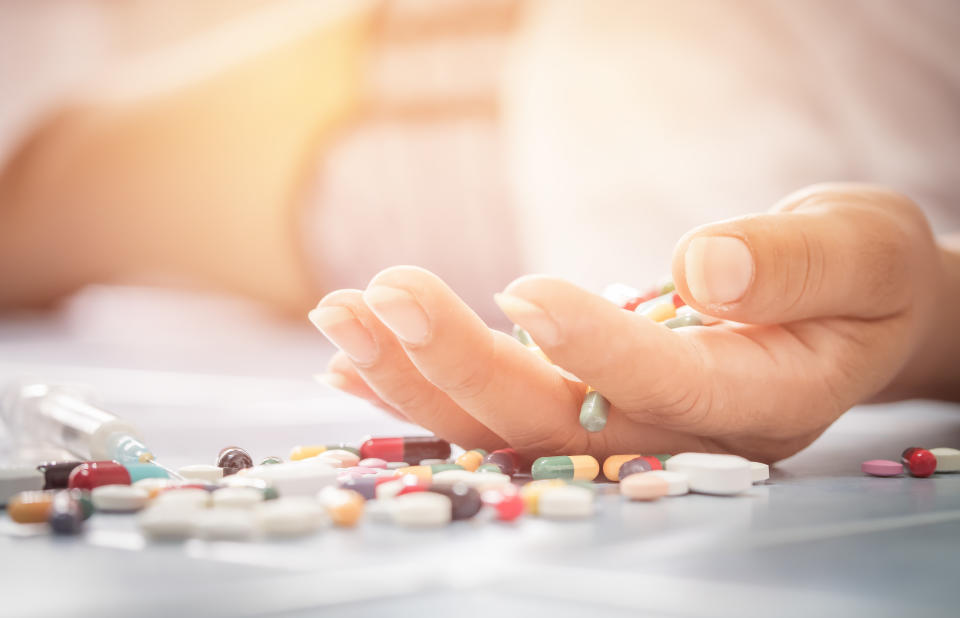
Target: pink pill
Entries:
(881, 467)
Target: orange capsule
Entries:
(30, 507)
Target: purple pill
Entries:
(881, 467)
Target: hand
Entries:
(832, 300)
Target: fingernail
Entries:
(530, 317)
(345, 331)
(400, 311)
(333, 380)
(718, 269)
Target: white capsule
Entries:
(119, 498)
(224, 524)
(760, 472)
(948, 459)
(202, 472)
(14, 479)
(677, 484)
(295, 478)
(168, 522)
(422, 509)
(188, 497)
(710, 473)
(236, 498)
(565, 502)
(295, 516)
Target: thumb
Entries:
(830, 250)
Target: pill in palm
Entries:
(642, 486)
(119, 498)
(421, 510)
(566, 502)
(676, 481)
(712, 473)
(948, 459)
(594, 411)
(201, 472)
(575, 467)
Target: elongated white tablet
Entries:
(710, 473)
(948, 459)
(14, 479)
(423, 509)
(224, 524)
(119, 498)
(236, 498)
(202, 472)
(471, 479)
(294, 516)
(677, 484)
(188, 497)
(760, 471)
(295, 478)
(168, 522)
(565, 502)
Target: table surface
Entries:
(819, 538)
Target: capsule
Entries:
(639, 464)
(920, 462)
(413, 448)
(303, 452)
(573, 467)
(594, 411)
(489, 467)
(425, 473)
(530, 493)
(472, 459)
(366, 486)
(233, 459)
(56, 474)
(523, 336)
(661, 312)
(343, 506)
(30, 507)
(96, 473)
(270, 460)
(66, 513)
(683, 320)
(465, 501)
(507, 460)
(611, 465)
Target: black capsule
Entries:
(66, 514)
(232, 459)
(57, 473)
(464, 500)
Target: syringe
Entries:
(68, 417)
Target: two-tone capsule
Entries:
(568, 467)
(56, 474)
(92, 474)
(412, 449)
(506, 460)
(472, 459)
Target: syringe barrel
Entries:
(63, 416)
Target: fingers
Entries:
(632, 361)
(832, 250)
(343, 376)
(489, 374)
(378, 357)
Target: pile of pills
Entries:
(411, 482)
(916, 461)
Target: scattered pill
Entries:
(643, 487)
(432, 462)
(489, 468)
(712, 473)
(345, 507)
(566, 502)
(154, 485)
(30, 507)
(183, 497)
(168, 522)
(296, 516)
(372, 462)
(920, 462)
(522, 336)
(119, 498)
(96, 473)
(233, 459)
(56, 474)
(634, 466)
(236, 498)
(421, 510)
(202, 472)
(908, 451)
(507, 460)
(661, 312)
(224, 524)
(576, 467)
(471, 479)
(594, 411)
(676, 481)
(472, 459)
(341, 458)
(268, 491)
(531, 492)
(16, 479)
(365, 486)
(271, 459)
(465, 501)
(881, 467)
(411, 448)
(760, 471)
(611, 465)
(295, 478)
(66, 513)
(506, 501)
(393, 465)
(377, 511)
(948, 459)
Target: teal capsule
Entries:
(139, 471)
(522, 336)
(683, 320)
(568, 467)
(594, 411)
(489, 467)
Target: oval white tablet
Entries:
(295, 516)
(295, 478)
(423, 509)
(676, 481)
(339, 458)
(565, 502)
(236, 497)
(377, 511)
(948, 459)
(760, 472)
(201, 472)
(388, 490)
(169, 522)
(119, 498)
(188, 497)
(155, 483)
(224, 524)
(710, 473)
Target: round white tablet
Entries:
(188, 497)
(291, 516)
(676, 481)
(565, 502)
(760, 472)
(168, 522)
(202, 472)
(422, 509)
(224, 524)
(119, 498)
(295, 478)
(710, 473)
(236, 497)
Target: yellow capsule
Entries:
(30, 507)
(423, 473)
(661, 311)
(611, 465)
(471, 460)
(532, 490)
(304, 452)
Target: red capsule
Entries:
(507, 459)
(412, 449)
(921, 462)
(677, 301)
(96, 473)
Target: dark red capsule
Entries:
(907, 452)
(507, 459)
(411, 449)
(920, 462)
(56, 474)
(232, 459)
(464, 500)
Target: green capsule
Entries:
(683, 320)
(86, 503)
(666, 286)
(567, 467)
(489, 467)
(594, 411)
(522, 336)
(434, 468)
(272, 459)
